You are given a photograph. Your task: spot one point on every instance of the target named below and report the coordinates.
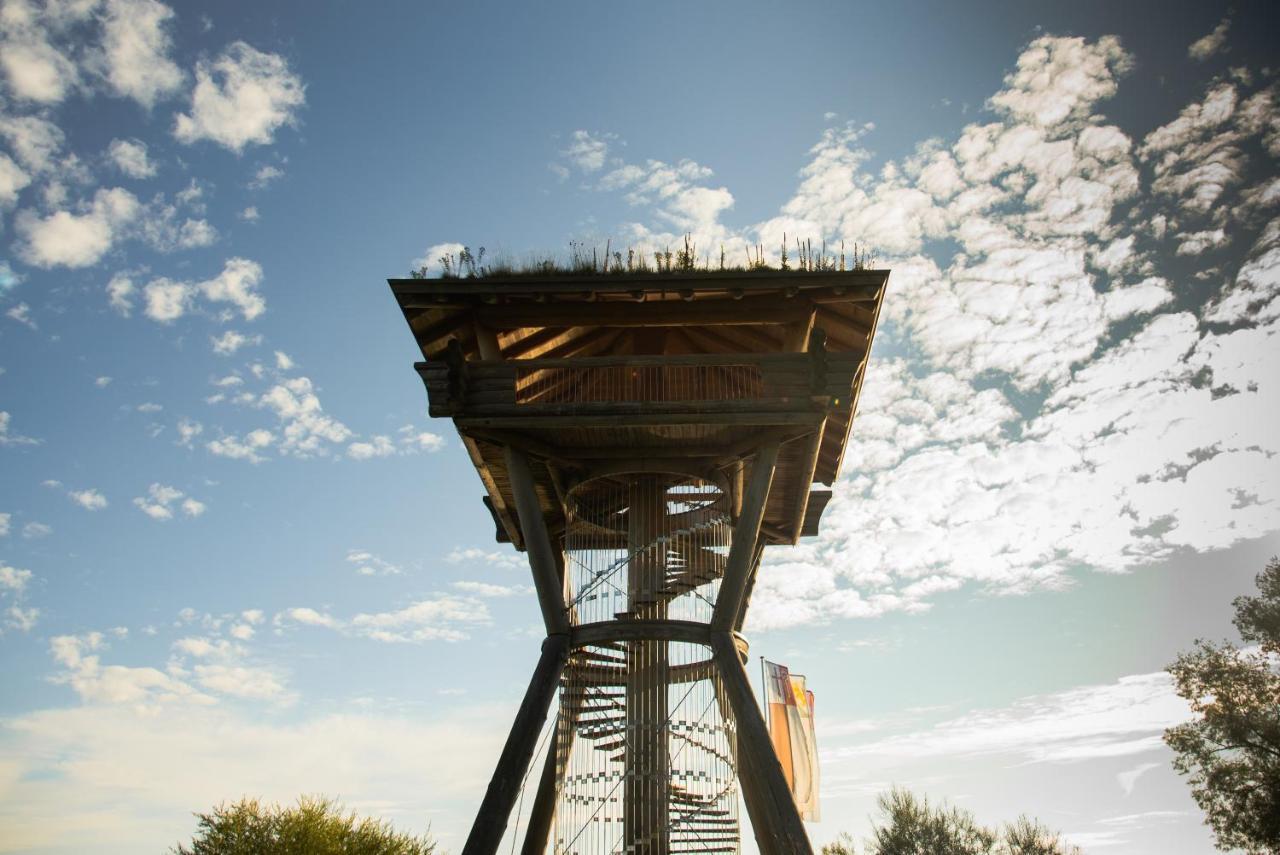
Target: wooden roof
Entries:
(763, 319)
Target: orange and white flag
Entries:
(790, 710)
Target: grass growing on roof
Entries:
(592, 261)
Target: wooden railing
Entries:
(692, 383)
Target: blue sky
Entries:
(236, 557)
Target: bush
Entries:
(316, 826)
(913, 826)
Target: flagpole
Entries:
(764, 695)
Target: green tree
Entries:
(911, 825)
(316, 826)
(1230, 752)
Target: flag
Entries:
(790, 709)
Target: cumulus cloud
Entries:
(440, 617)
(34, 69)
(120, 292)
(67, 239)
(588, 151)
(168, 299)
(242, 97)
(8, 437)
(368, 564)
(231, 341)
(1207, 45)
(430, 258)
(1027, 437)
(162, 501)
(408, 440)
(134, 56)
(90, 499)
(1116, 719)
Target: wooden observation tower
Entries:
(642, 438)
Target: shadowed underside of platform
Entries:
(685, 372)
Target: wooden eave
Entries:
(572, 317)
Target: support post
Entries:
(745, 534)
(537, 542)
(774, 817)
(544, 803)
(504, 787)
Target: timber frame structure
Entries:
(642, 438)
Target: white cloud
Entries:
(36, 530)
(1060, 78)
(368, 564)
(120, 291)
(248, 448)
(165, 230)
(264, 176)
(34, 141)
(1194, 243)
(588, 151)
(1116, 719)
(4, 524)
(34, 69)
(249, 214)
(231, 341)
(1129, 778)
(1206, 46)
(283, 362)
(13, 580)
(130, 157)
(306, 429)
(144, 689)
(21, 313)
(160, 501)
(7, 438)
(485, 589)
(67, 239)
(175, 762)
(102, 382)
(430, 258)
(134, 58)
(188, 430)
(90, 500)
(440, 617)
(242, 97)
(511, 560)
(12, 181)
(168, 300)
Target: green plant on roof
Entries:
(590, 260)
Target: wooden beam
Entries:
(765, 419)
(538, 832)
(537, 541)
(796, 337)
(508, 777)
(658, 313)
(809, 462)
(487, 343)
(491, 486)
(745, 535)
(775, 820)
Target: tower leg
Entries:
(544, 803)
(504, 787)
(776, 821)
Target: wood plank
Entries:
(753, 419)
(745, 534)
(495, 495)
(517, 753)
(662, 313)
(775, 820)
(537, 540)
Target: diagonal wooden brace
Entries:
(504, 787)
